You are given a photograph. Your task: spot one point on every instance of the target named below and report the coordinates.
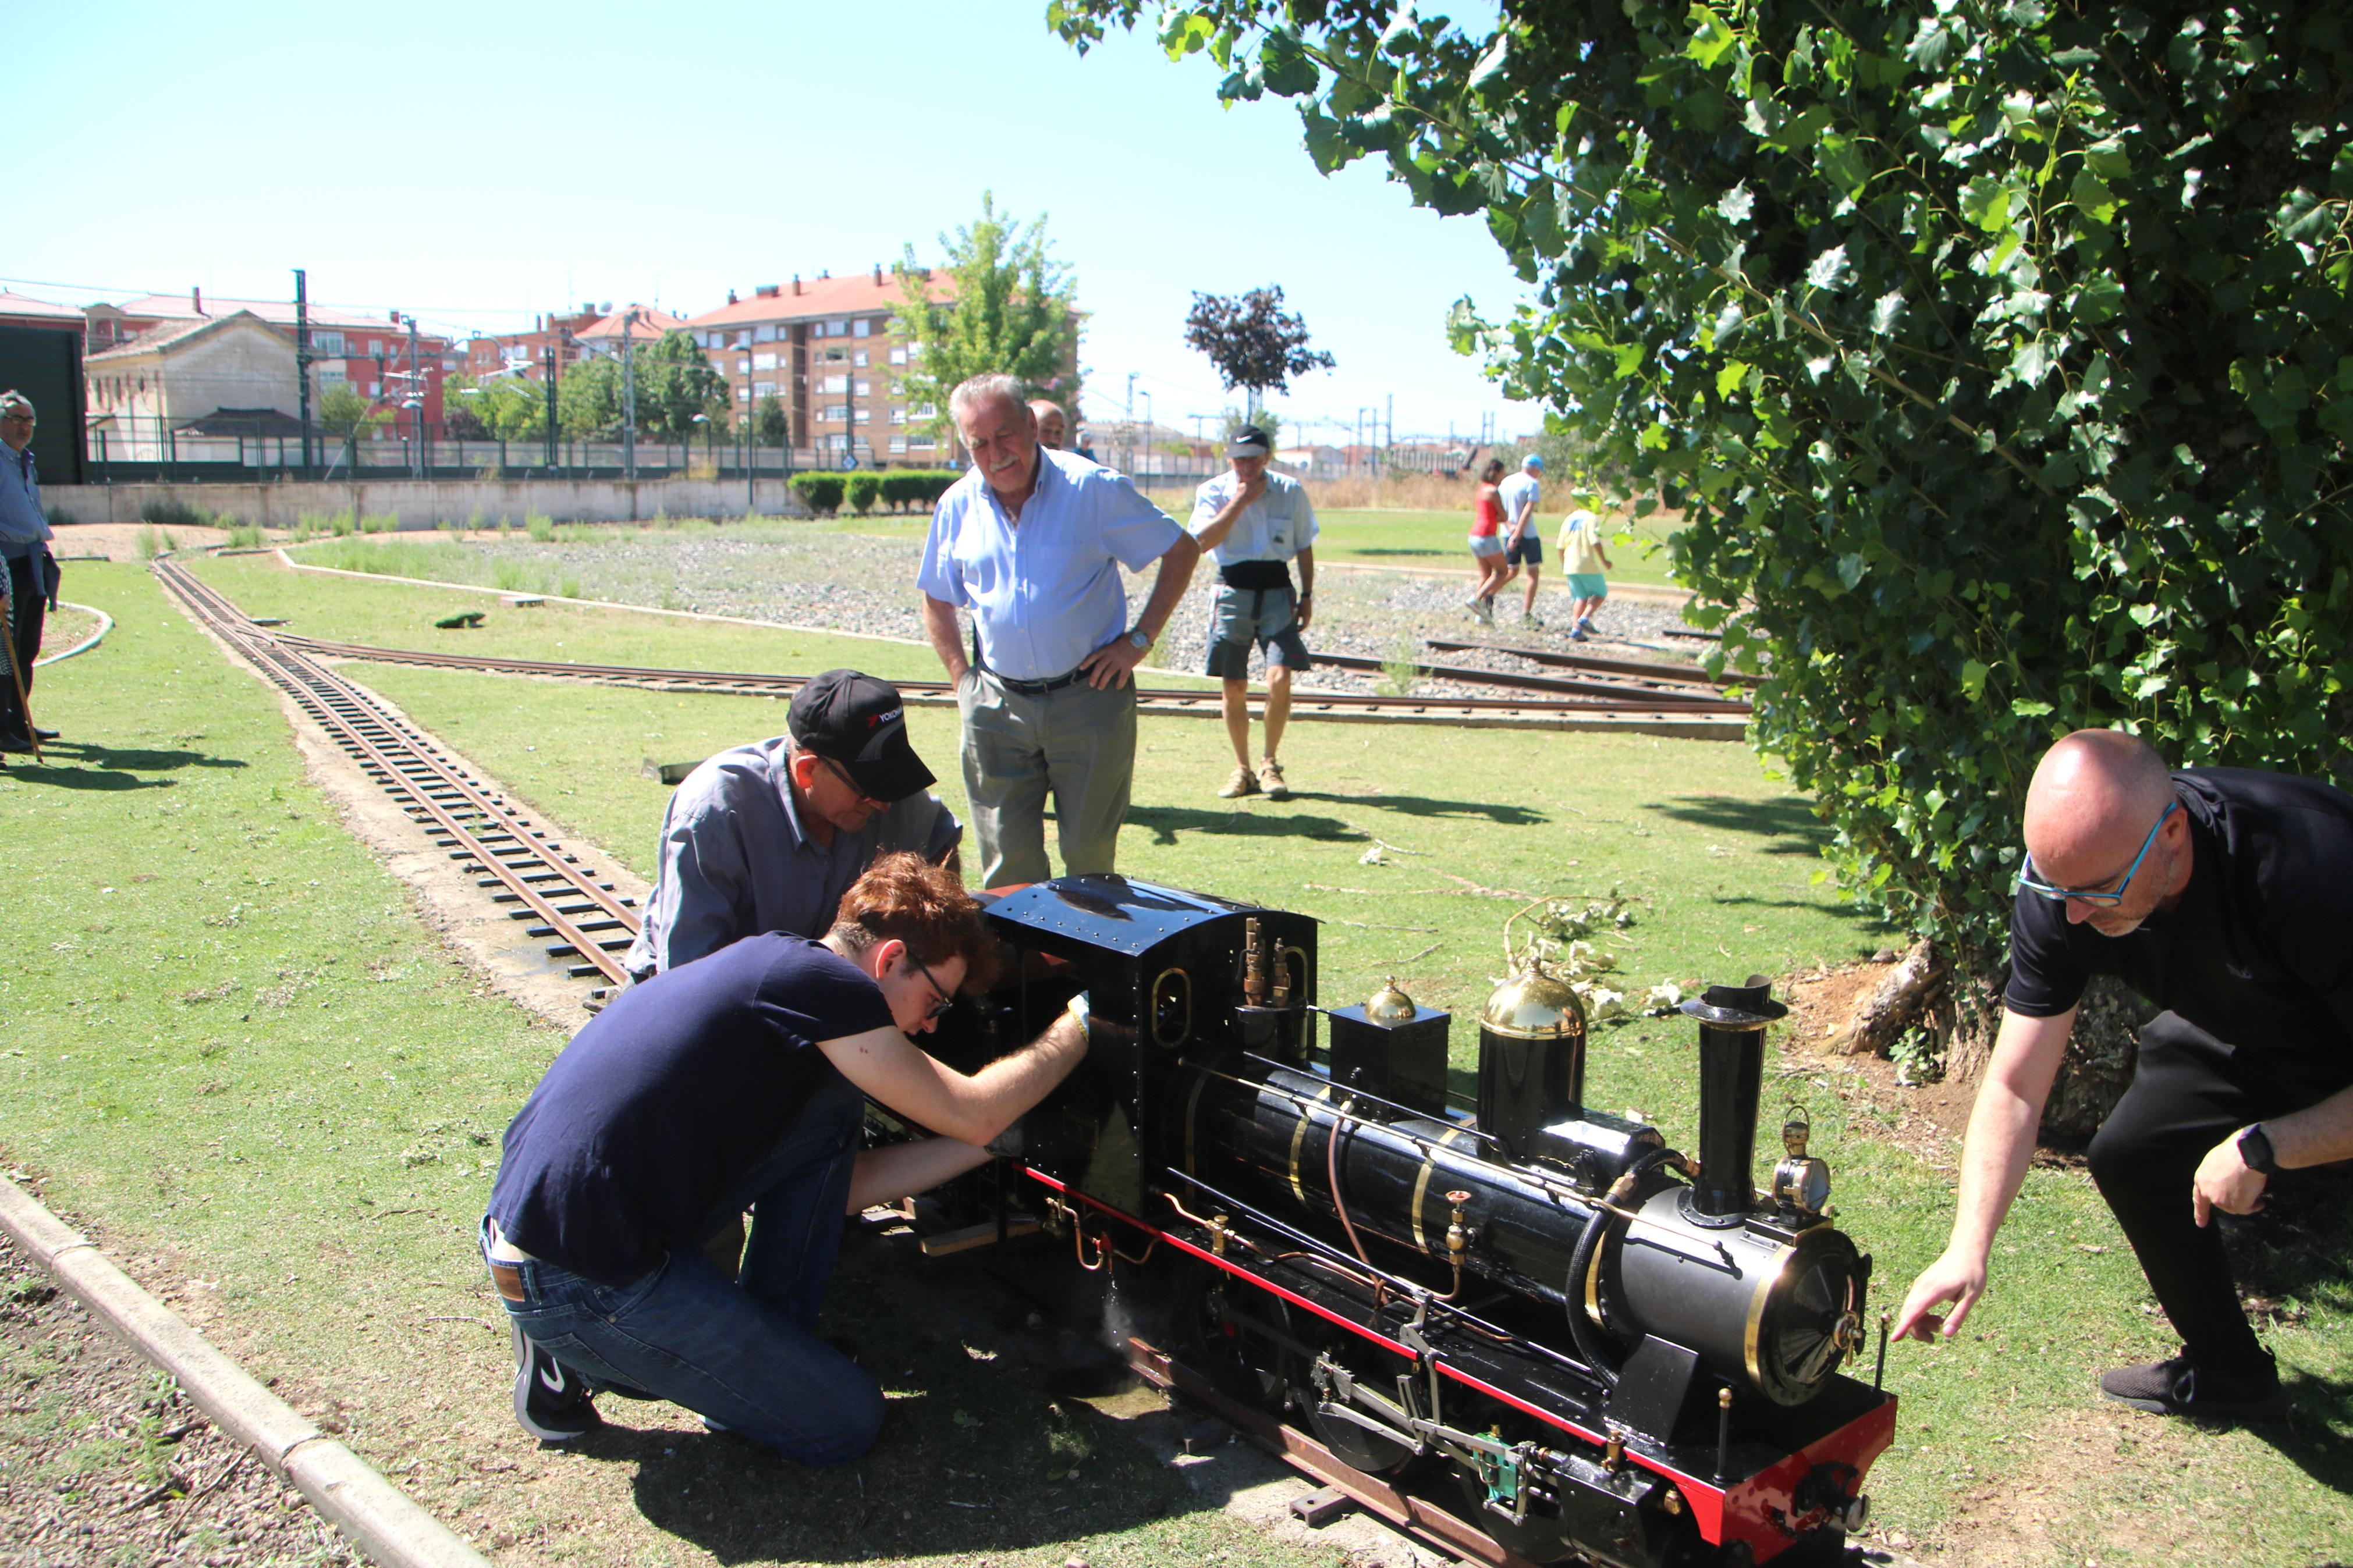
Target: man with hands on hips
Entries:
(1031, 542)
(2225, 896)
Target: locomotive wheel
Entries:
(1540, 1540)
(1222, 1333)
(1355, 1446)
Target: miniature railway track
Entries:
(580, 916)
(1636, 669)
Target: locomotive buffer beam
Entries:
(1425, 1521)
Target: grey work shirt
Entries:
(735, 861)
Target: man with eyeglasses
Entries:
(2225, 896)
(32, 569)
(739, 1081)
(768, 837)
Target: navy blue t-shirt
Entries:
(668, 1099)
(2259, 953)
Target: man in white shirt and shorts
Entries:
(1253, 524)
(1521, 546)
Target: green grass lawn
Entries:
(256, 1069)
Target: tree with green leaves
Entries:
(770, 426)
(1255, 343)
(1011, 310)
(507, 409)
(345, 413)
(1996, 355)
(675, 382)
(588, 398)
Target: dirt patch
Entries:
(2093, 1489)
(103, 1459)
(120, 541)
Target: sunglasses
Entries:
(939, 1009)
(2108, 900)
(837, 770)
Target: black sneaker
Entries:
(2179, 1387)
(551, 1403)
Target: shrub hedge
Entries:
(901, 489)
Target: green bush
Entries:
(174, 514)
(380, 522)
(862, 490)
(903, 489)
(821, 493)
(541, 528)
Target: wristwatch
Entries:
(2255, 1151)
(1143, 642)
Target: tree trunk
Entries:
(1910, 990)
(2092, 1075)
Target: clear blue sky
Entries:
(476, 164)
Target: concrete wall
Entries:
(426, 504)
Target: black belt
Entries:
(1036, 688)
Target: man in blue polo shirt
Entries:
(1031, 542)
(740, 1081)
(32, 572)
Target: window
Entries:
(837, 412)
(836, 328)
(919, 439)
(898, 353)
(898, 443)
(743, 366)
(765, 361)
(764, 389)
(765, 334)
(858, 359)
(866, 416)
(861, 327)
(898, 416)
(329, 343)
(743, 395)
(743, 339)
(836, 383)
(836, 356)
(862, 387)
(923, 411)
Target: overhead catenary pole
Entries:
(629, 395)
(548, 365)
(417, 394)
(302, 362)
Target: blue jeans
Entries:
(743, 1351)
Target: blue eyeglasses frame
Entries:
(2031, 883)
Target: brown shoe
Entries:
(1241, 784)
(1270, 779)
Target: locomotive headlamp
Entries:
(1800, 1181)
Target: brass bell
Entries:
(1534, 1005)
(1390, 1005)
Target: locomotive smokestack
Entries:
(1732, 1020)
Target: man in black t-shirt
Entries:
(2225, 896)
(738, 1082)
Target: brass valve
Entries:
(1458, 1235)
(1613, 1457)
(1218, 1223)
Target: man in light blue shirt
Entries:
(1523, 546)
(32, 574)
(1031, 542)
(1254, 524)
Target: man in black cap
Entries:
(767, 837)
(1254, 524)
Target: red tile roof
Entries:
(277, 313)
(858, 294)
(167, 334)
(650, 325)
(20, 305)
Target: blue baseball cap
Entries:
(1532, 462)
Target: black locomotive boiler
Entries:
(1581, 1341)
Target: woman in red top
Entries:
(1487, 540)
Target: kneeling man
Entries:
(2224, 895)
(739, 1081)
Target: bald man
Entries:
(1054, 424)
(2225, 896)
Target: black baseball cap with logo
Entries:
(859, 721)
(1250, 441)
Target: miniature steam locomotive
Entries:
(1581, 1341)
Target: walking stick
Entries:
(16, 672)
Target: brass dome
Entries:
(1534, 1005)
(1390, 1005)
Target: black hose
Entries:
(1590, 1343)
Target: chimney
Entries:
(197, 298)
(1732, 1020)
(768, 290)
(878, 272)
(796, 282)
(822, 275)
(730, 296)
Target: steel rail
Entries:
(1680, 696)
(414, 772)
(1639, 669)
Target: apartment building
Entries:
(642, 324)
(834, 351)
(526, 353)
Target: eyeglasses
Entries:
(16, 418)
(852, 784)
(939, 1009)
(2109, 899)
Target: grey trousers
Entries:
(1077, 744)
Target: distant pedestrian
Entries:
(1487, 542)
(767, 837)
(32, 569)
(1253, 524)
(1032, 542)
(1522, 544)
(1054, 424)
(1585, 560)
